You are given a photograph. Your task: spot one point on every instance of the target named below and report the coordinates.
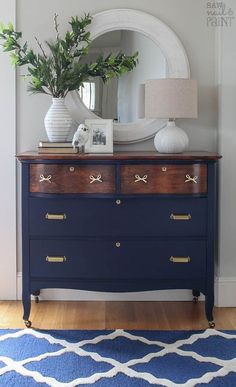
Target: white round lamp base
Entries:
(171, 139)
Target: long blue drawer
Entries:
(130, 217)
(112, 259)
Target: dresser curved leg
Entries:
(195, 294)
(209, 305)
(26, 306)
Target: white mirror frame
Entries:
(171, 47)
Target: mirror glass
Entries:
(122, 99)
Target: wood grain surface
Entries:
(137, 155)
(145, 315)
(72, 178)
(164, 179)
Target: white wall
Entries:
(8, 167)
(187, 18)
(227, 147)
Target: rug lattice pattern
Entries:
(117, 358)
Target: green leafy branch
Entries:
(57, 68)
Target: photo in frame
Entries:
(100, 136)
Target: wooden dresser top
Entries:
(137, 155)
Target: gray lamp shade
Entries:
(171, 98)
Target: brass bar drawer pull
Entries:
(139, 178)
(180, 217)
(93, 179)
(55, 216)
(191, 178)
(180, 259)
(42, 178)
(56, 259)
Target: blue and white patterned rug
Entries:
(117, 358)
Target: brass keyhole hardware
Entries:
(93, 179)
(72, 169)
(180, 259)
(164, 169)
(118, 202)
(117, 244)
(139, 178)
(180, 217)
(191, 178)
(55, 216)
(56, 259)
(43, 178)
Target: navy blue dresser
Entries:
(125, 222)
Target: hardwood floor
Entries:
(114, 315)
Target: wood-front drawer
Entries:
(118, 259)
(56, 178)
(119, 216)
(164, 179)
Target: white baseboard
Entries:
(225, 291)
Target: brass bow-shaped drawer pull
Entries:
(43, 178)
(180, 259)
(55, 216)
(93, 179)
(139, 178)
(56, 259)
(191, 178)
(180, 217)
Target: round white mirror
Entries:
(161, 54)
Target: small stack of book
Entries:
(56, 147)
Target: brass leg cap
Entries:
(28, 323)
(211, 324)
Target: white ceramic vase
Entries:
(58, 121)
(171, 139)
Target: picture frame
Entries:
(100, 136)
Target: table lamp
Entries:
(171, 98)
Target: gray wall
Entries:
(8, 167)
(187, 18)
(227, 147)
